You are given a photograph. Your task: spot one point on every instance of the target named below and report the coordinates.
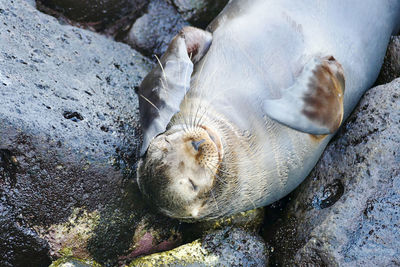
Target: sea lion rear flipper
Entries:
(164, 88)
(314, 103)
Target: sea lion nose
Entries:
(196, 144)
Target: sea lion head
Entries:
(179, 169)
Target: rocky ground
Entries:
(70, 134)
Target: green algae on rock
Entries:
(228, 247)
(70, 238)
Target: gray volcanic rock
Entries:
(19, 245)
(74, 262)
(347, 212)
(69, 138)
(391, 66)
(199, 12)
(96, 14)
(228, 247)
(152, 32)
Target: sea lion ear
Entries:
(314, 103)
(164, 88)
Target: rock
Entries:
(19, 245)
(97, 14)
(152, 32)
(74, 262)
(199, 12)
(69, 139)
(250, 221)
(391, 66)
(229, 247)
(347, 212)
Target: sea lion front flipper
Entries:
(314, 103)
(164, 88)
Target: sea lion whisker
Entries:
(185, 124)
(197, 120)
(195, 124)
(219, 178)
(191, 117)
(203, 115)
(251, 201)
(162, 69)
(181, 119)
(151, 103)
(215, 200)
(200, 120)
(157, 147)
(218, 169)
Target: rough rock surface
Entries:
(95, 14)
(199, 12)
(228, 247)
(251, 221)
(391, 67)
(68, 141)
(74, 262)
(347, 212)
(152, 32)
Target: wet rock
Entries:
(328, 195)
(347, 212)
(153, 233)
(229, 247)
(199, 12)
(391, 66)
(19, 245)
(152, 32)
(97, 14)
(69, 139)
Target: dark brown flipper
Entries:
(164, 88)
(314, 104)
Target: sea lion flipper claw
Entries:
(164, 88)
(314, 103)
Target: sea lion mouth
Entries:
(214, 137)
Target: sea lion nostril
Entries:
(196, 144)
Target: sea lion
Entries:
(236, 118)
